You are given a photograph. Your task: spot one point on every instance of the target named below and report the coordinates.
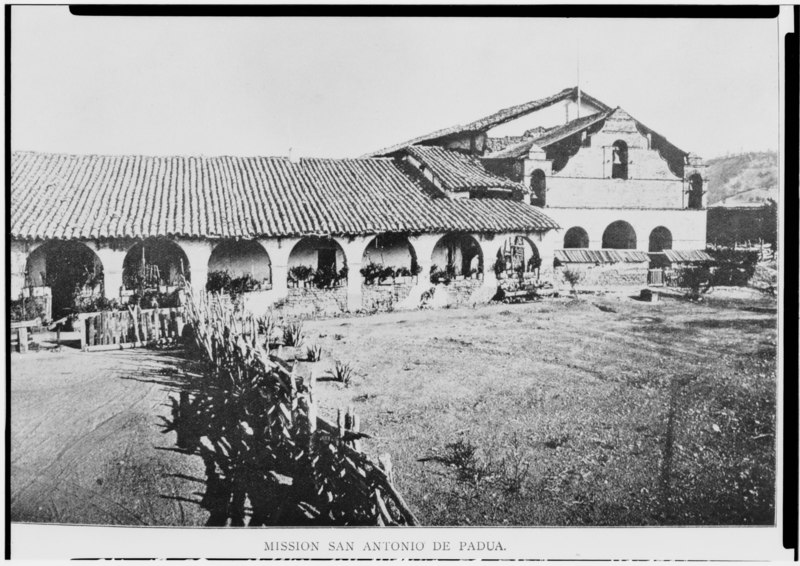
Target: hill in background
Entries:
(742, 179)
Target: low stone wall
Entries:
(606, 275)
(308, 302)
(383, 297)
(459, 292)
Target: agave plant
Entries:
(293, 334)
(266, 326)
(341, 372)
(314, 353)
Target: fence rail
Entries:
(132, 328)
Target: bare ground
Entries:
(86, 441)
(603, 410)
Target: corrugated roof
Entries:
(499, 117)
(580, 255)
(458, 171)
(678, 256)
(91, 196)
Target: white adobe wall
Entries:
(239, 261)
(688, 227)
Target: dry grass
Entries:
(562, 413)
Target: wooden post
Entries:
(22, 338)
(82, 331)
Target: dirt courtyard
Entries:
(602, 410)
(86, 441)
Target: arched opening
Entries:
(696, 191)
(156, 264)
(538, 188)
(619, 160)
(619, 236)
(518, 257)
(319, 261)
(71, 270)
(388, 255)
(456, 255)
(660, 239)
(576, 237)
(242, 265)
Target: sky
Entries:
(346, 86)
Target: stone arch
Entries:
(660, 239)
(154, 263)
(619, 236)
(391, 250)
(70, 268)
(576, 237)
(695, 191)
(321, 257)
(619, 160)
(538, 188)
(457, 254)
(517, 255)
(240, 258)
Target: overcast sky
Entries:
(343, 87)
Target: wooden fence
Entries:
(655, 277)
(132, 328)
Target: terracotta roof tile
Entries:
(458, 171)
(90, 196)
(580, 255)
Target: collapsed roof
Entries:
(542, 137)
(496, 119)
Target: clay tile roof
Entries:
(499, 117)
(458, 171)
(95, 196)
(686, 256)
(579, 255)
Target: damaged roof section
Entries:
(460, 172)
(550, 136)
(496, 119)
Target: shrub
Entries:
(314, 353)
(462, 455)
(156, 299)
(218, 281)
(402, 272)
(97, 304)
(439, 274)
(371, 272)
(343, 272)
(573, 276)
(26, 309)
(300, 272)
(324, 277)
(293, 334)
(341, 372)
(696, 280)
(733, 267)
